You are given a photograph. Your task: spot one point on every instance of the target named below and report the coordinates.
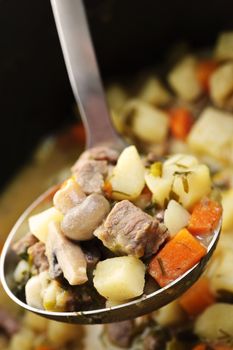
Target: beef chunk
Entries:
(21, 246)
(153, 342)
(90, 175)
(37, 254)
(120, 333)
(100, 153)
(127, 230)
(8, 323)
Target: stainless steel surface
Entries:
(135, 308)
(86, 84)
(83, 71)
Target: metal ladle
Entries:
(87, 88)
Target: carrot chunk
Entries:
(200, 346)
(181, 121)
(203, 72)
(197, 298)
(180, 254)
(205, 217)
(107, 188)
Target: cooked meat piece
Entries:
(80, 222)
(37, 254)
(21, 246)
(153, 342)
(68, 196)
(127, 230)
(100, 153)
(120, 333)
(90, 175)
(8, 323)
(68, 255)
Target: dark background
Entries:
(35, 95)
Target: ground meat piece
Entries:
(120, 333)
(37, 254)
(8, 323)
(21, 246)
(90, 175)
(100, 153)
(127, 230)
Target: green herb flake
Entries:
(156, 169)
(185, 184)
(160, 262)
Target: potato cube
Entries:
(153, 92)
(183, 79)
(212, 134)
(221, 84)
(170, 314)
(39, 223)
(120, 278)
(197, 183)
(227, 204)
(221, 278)
(149, 124)
(215, 322)
(160, 187)
(116, 97)
(127, 179)
(224, 47)
(175, 217)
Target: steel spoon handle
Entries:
(83, 70)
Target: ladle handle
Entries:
(83, 70)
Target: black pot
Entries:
(36, 97)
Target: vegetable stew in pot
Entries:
(192, 107)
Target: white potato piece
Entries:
(127, 179)
(222, 276)
(160, 188)
(176, 217)
(221, 84)
(178, 163)
(183, 79)
(55, 297)
(39, 223)
(116, 97)
(215, 322)
(224, 46)
(21, 271)
(227, 204)
(33, 291)
(212, 134)
(120, 278)
(154, 92)
(59, 334)
(35, 322)
(169, 315)
(22, 340)
(198, 185)
(149, 123)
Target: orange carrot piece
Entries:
(203, 72)
(205, 217)
(78, 133)
(44, 347)
(197, 298)
(180, 254)
(181, 121)
(107, 188)
(200, 346)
